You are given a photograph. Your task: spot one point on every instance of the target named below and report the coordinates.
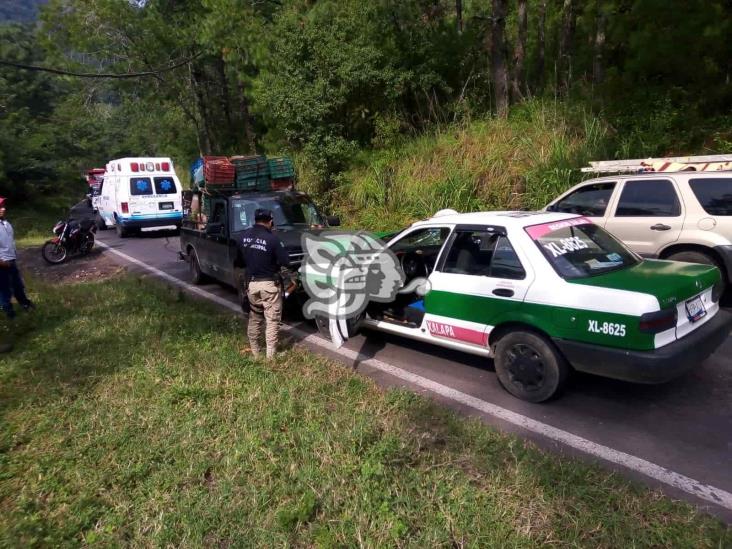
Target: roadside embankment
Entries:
(130, 415)
(491, 164)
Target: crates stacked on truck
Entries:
(282, 172)
(218, 172)
(197, 180)
(252, 172)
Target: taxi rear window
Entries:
(577, 248)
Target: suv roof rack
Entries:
(709, 163)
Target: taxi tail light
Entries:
(659, 321)
(125, 208)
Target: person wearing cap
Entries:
(264, 255)
(11, 283)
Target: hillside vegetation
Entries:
(491, 164)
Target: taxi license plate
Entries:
(695, 309)
(166, 205)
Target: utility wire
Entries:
(95, 74)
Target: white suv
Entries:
(681, 216)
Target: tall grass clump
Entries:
(492, 164)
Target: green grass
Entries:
(130, 417)
(490, 164)
(33, 220)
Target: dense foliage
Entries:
(332, 78)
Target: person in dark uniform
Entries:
(264, 255)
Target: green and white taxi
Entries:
(543, 293)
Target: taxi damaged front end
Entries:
(644, 321)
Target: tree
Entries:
(498, 55)
(518, 79)
(566, 41)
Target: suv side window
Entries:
(648, 198)
(590, 200)
(481, 253)
(714, 194)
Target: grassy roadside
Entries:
(130, 416)
(33, 220)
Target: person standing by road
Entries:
(264, 255)
(11, 283)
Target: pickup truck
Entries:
(212, 250)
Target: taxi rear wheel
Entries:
(529, 367)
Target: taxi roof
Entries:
(507, 219)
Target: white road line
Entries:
(689, 485)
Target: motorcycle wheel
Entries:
(54, 253)
(88, 245)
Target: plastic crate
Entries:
(218, 171)
(250, 167)
(264, 184)
(281, 168)
(197, 163)
(246, 183)
(283, 184)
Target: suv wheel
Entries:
(692, 256)
(529, 367)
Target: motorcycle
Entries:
(72, 237)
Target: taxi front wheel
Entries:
(529, 367)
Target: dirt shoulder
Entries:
(95, 266)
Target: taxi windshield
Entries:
(288, 211)
(577, 248)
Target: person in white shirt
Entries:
(11, 283)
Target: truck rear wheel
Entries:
(197, 277)
(529, 367)
(121, 231)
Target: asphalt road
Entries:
(684, 426)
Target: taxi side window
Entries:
(480, 253)
(590, 200)
(427, 238)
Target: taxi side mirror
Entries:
(333, 220)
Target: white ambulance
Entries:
(140, 194)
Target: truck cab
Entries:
(210, 243)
